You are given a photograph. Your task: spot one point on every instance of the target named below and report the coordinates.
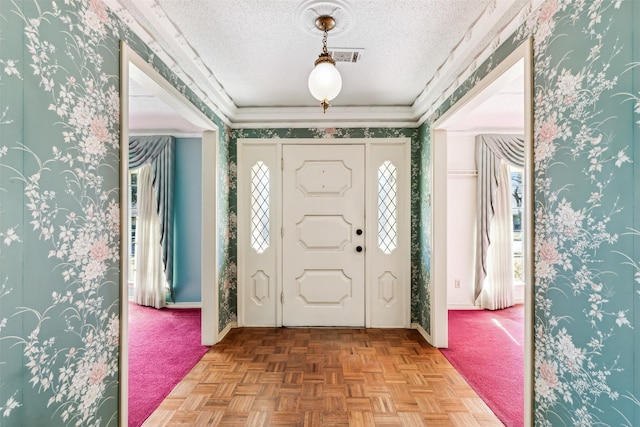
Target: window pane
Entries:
(387, 207)
(133, 219)
(517, 194)
(260, 207)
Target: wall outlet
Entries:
(457, 283)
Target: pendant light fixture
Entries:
(325, 81)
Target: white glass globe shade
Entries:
(325, 81)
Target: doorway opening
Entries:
(136, 73)
(512, 78)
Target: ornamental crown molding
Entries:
(458, 65)
(156, 30)
(336, 116)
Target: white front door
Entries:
(323, 235)
(328, 199)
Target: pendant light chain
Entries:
(325, 103)
(324, 43)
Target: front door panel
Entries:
(323, 253)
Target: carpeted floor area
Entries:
(487, 348)
(163, 347)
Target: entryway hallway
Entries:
(320, 377)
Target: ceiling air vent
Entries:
(340, 54)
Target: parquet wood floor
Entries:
(323, 377)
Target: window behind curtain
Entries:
(517, 194)
(133, 216)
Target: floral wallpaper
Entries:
(585, 273)
(59, 209)
(583, 213)
(59, 215)
(227, 243)
(59, 212)
(421, 237)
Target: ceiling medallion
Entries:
(309, 11)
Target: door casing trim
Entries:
(438, 285)
(133, 65)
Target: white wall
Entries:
(461, 217)
(461, 223)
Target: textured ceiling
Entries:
(258, 53)
(261, 55)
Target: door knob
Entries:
(358, 248)
(358, 232)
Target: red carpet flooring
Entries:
(163, 347)
(487, 348)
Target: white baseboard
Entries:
(418, 327)
(518, 293)
(225, 331)
(463, 307)
(184, 304)
(516, 301)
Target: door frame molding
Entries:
(438, 303)
(134, 66)
(370, 220)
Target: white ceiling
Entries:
(150, 114)
(250, 59)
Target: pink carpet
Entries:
(487, 348)
(163, 347)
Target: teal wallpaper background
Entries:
(584, 213)
(59, 212)
(59, 215)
